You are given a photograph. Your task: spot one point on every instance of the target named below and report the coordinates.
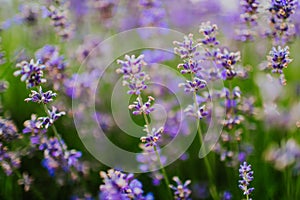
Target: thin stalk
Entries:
(156, 152)
(212, 188)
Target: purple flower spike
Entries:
(193, 86)
(246, 175)
(209, 32)
(153, 137)
(181, 191)
(40, 96)
(31, 73)
(140, 107)
(133, 76)
(53, 116)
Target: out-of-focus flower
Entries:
(133, 76)
(26, 180)
(209, 31)
(40, 96)
(181, 190)
(187, 48)
(194, 111)
(246, 175)
(288, 154)
(8, 131)
(226, 196)
(9, 160)
(118, 185)
(31, 73)
(57, 157)
(55, 64)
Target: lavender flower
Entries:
(227, 60)
(187, 48)
(40, 96)
(53, 116)
(9, 160)
(282, 29)
(227, 196)
(190, 67)
(57, 157)
(140, 107)
(181, 191)
(26, 180)
(248, 20)
(55, 64)
(33, 126)
(246, 177)
(195, 111)
(209, 32)
(153, 14)
(31, 73)
(153, 137)
(133, 76)
(118, 185)
(193, 86)
(8, 131)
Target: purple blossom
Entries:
(142, 108)
(55, 64)
(26, 180)
(9, 160)
(133, 76)
(117, 185)
(8, 130)
(31, 73)
(283, 8)
(40, 96)
(209, 32)
(227, 196)
(152, 137)
(187, 48)
(152, 14)
(193, 86)
(33, 126)
(196, 112)
(181, 190)
(246, 175)
(190, 66)
(53, 116)
(227, 60)
(57, 157)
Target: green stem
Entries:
(212, 187)
(156, 152)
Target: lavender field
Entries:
(149, 99)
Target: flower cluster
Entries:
(285, 155)
(282, 29)
(194, 85)
(118, 185)
(152, 137)
(57, 157)
(152, 13)
(181, 190)
(60, 20)
(140, 107)
(32, 73)
(40, 96)
(55, 64)
(246, 175)
(9, 160)
(248, 19)
(209, 31)
(133, 76)
(8, 131)
(278, 60)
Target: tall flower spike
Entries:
(40, 96)
(153, 137)
(118, 185)
(133, 76)
(31, 73)
(278, 60)
(246, 175)
(140, 107)
(187, 48)
(181, 191)
(209, 31)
